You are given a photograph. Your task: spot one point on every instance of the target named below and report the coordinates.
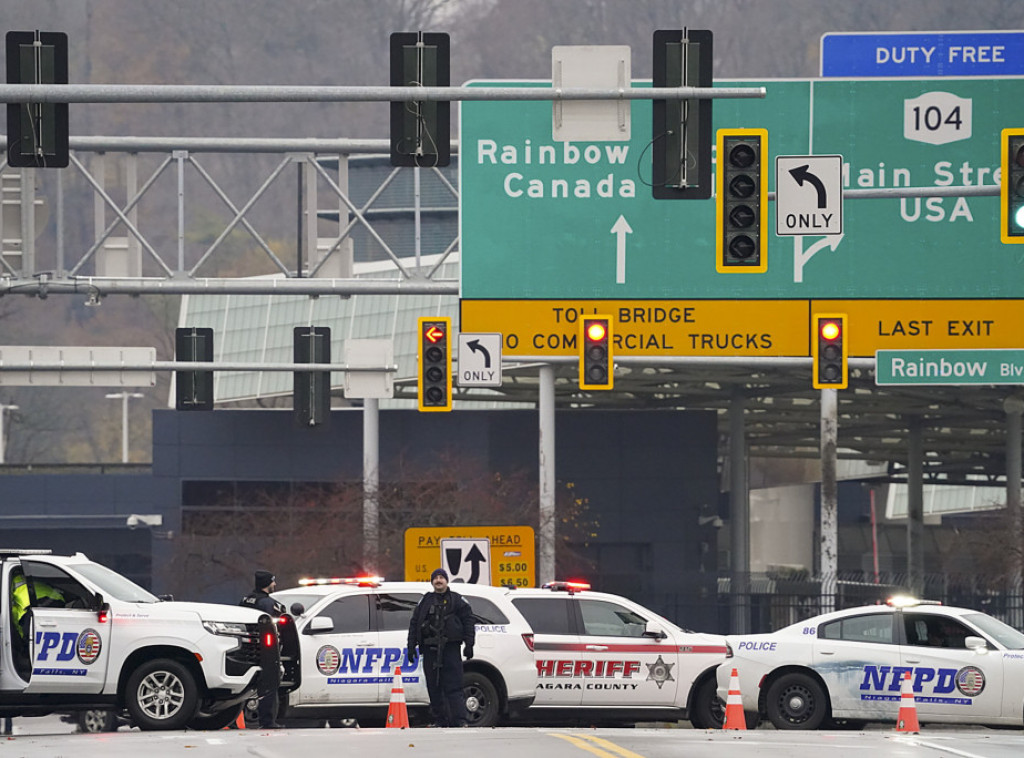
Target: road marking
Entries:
(941, 747)
(580, 741)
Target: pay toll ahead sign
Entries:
(511, 558)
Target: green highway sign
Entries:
(574, 220)
(949, 367)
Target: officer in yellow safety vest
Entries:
(22, 600)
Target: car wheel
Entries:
(97, 720)
(219, 720)
(162, 694)
(707, 711)
(481, 699)
(797, 701)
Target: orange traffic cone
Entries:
(398, 714)
(734, 718)
(906, 719)
(238, 723)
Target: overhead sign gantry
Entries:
(552, 231)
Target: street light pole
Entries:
(3, 412)
(123, 397)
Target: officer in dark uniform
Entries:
(440, 626)
(260, 599)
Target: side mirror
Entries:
(653, 629)
(165, 598)
(320, 624)
(102, 609)
(977, 644)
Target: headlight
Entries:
(229, 628)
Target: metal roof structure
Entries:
(963, 427)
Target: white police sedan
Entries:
(847, 667)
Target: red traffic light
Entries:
(596, 331)
(831, 330)
(433, 333)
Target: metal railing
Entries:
(776, 601)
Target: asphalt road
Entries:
(514, 743)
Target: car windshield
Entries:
(1002, 633)
(112, 584)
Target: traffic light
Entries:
(420, 129)
(829, 351)
(435, 372)
(311, 390)
(193, 390)
(741, 201)
(37, 133)
(681, 129)
(596, 353)
(1011, 187)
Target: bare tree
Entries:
(316, 529)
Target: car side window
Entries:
(485, 611)
(51, 587)
(875, 628)
(395, 610)
(546, 615)
(927, 630)
(606, 619)
(350, 614)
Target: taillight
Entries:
(269, 639)
(528, 639)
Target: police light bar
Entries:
(569, 587)
(358, 581)
(907, 601)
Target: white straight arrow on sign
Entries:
(620, 229)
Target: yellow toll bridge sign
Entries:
(508, 557)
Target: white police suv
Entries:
(75, 635)
(847, 667)
(352, 634)
(603, 659)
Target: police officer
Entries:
(260, 599)
(440, 626)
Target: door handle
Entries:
(913, 660)
(827, 652)
(597, 647)
(47, 623)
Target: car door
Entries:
(394, 612)
(556, 646)
(67, 642)
(618, 663)
(340, 653)
(859, 661)
(950, 681)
